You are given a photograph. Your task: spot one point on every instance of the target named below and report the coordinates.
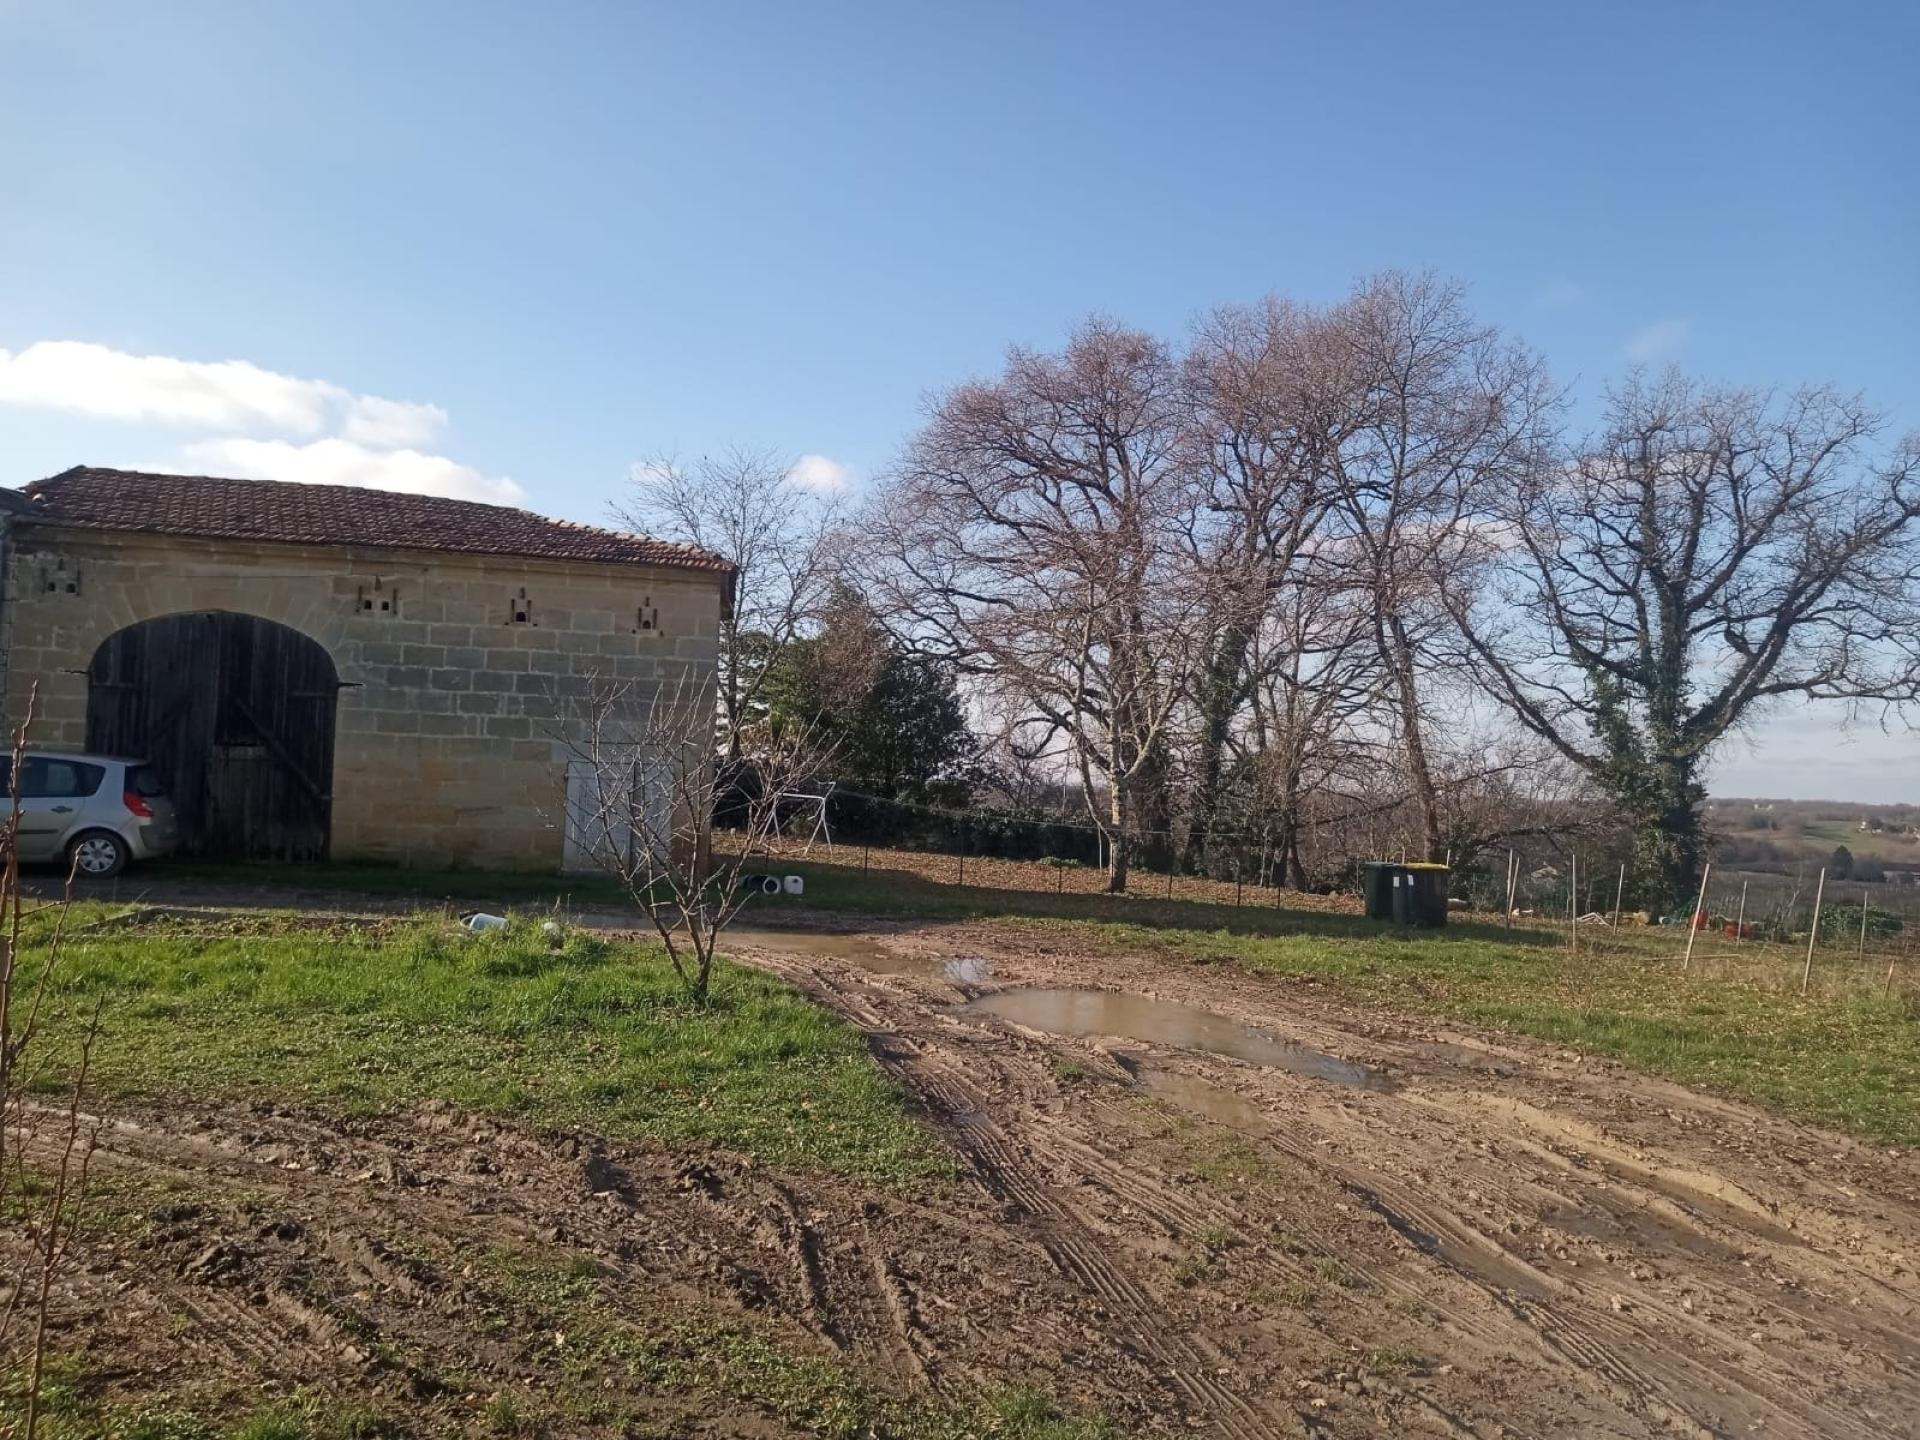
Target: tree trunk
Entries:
(1669, 839)
(1120, 841)
(1220, 690)
(1289, 873)
(1397, 651)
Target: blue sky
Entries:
(569, 236)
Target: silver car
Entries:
(92, 813)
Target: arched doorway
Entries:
(236, 713)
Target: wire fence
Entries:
(1814, 934)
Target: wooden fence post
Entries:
(1819, 890)
(1863, 923)
(1513, 874)
(1573, 905)
(1619, 890)
(1740, 921)
(1693, 920)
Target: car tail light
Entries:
(136, 805)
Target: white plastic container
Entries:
(796, 885)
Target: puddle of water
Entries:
(863, 950)
(1160, 1022)
(1204, 1098)
(967, 969)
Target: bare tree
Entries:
(1033, 535)
(1315, 680)
(1271, 398)
(1454, 415)
(744, 506)
(1707, 553)
(642, 795)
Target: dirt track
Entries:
(1500, 1239)
(1566, 1246)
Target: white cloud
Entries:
(335, 461)
(82, 378)
(340, 437)
(820, 475)
(1658, 340)
(392, 424)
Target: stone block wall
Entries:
(460, 675)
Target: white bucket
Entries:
(796, 885)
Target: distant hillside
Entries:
(1787, 834)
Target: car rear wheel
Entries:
(97, 854)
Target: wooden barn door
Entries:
(236, 714)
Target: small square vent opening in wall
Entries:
(647, 619)
(380, 600)
(520, 609)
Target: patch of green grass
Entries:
(1394, 1359)
(507, 1414)
(1216, 1240)
(73, 1408)
(1191, 1270)
(592, 1032)
(271, 1425)
(1294, 1294)
(1335, 1272)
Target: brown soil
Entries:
(1491, 1238)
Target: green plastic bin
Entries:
(1377, 888)
(1422, 896)
(1413, 894)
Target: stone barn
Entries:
(320, 671)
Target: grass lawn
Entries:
(1853, 1063)
(590, 1032)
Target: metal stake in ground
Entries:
(1863, 922)
(1740, 920)
(1819, 891)
(1693, 920)
(1619, 889)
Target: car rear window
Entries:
(49, 777)
(144, 781)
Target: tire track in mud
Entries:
(1640, 1370)
(1669, 1347)
(961, 1110)
(919, 1292)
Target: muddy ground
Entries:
(1370, 1225)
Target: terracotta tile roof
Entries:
(274, 510)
